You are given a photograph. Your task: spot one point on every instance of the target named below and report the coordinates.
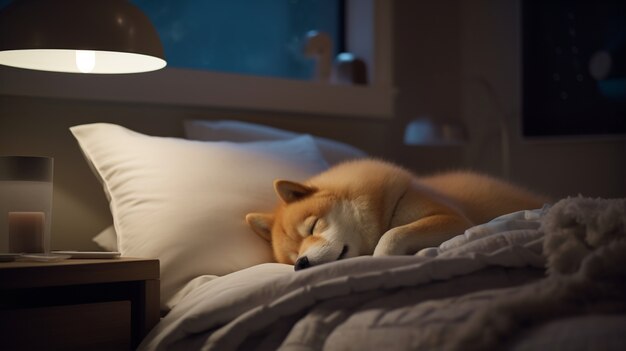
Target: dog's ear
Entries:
(261, 223)
(289, 191)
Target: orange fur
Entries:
(369, 206)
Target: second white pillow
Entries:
(333, 151)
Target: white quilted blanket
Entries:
(471, 290)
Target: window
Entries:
(265, 38)
(574, 68)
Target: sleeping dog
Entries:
(372, 207)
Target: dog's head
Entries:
(311, 226)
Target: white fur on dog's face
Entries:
(335, 235)
(320, 225)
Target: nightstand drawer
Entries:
(92, 326)
(78, 304)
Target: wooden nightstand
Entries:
(78, 303)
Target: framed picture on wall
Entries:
(574, 68)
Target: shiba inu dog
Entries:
(372, 207)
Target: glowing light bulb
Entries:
(85, 60)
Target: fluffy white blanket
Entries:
(452, 297)
(585, 246)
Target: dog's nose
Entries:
(302, 263)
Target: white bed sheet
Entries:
(220, 313)
(525, 279)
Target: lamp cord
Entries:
(502, 122)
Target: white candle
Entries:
(26, 232)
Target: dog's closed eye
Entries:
(308, 226)
(314, 226)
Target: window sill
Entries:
(201, 88)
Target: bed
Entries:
(549, 278)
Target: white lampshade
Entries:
(79, 36)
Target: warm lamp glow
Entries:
(85, 60)
(67, 61)
(114, 36)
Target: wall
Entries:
(427, 64)
(491, 38)
(461, 61)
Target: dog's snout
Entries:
(302, 263)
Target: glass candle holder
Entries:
(25, 204)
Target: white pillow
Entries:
(106, 239)
(237, 131)
(184, 202)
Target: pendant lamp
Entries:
(79, 36)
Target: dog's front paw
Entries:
(388, 246)
(380, 251)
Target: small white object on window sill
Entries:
(319, 46)
(349, 69)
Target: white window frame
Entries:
(368, 35)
